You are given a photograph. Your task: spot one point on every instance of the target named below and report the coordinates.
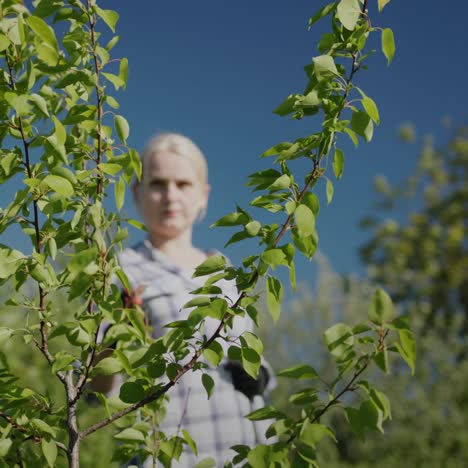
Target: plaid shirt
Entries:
(215, 424)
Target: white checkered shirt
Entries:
(215, 424)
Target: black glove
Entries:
(244, 383)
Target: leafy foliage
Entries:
(65, 145)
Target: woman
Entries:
(171, 196)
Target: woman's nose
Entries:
(171, 191)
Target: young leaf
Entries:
(381, 309)
(214, 353)
(338, 163)
(208, 462)
(299, 371)
(388, 44)
(108, 366)
(407, 348)
(122, 128)
(208, 384)
(131, 392)
(109, 17)
(330, 190)
(324, 66)
(338, 339)
(190, 442)
(305, 220)
(119, 193)
(59, 184)
(115, 80)
(49, 449)
(348, 12)
(381, 4)
(361, 123)
(312, 433)
(250, 361)
(212, 264)
(123, 71)
(274, 296)
(371, 108)
(131, 435)
(327, 9)
(5, 445)
(43, 30)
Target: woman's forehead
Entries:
(169, 165)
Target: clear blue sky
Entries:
(214, 70)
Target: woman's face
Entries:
(170, 195)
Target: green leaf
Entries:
(381, 309)
(250, 361)
(381, 4)
(299, 371)
(4, 42)
(252, 341)
(277, 149)
(49, 449)
(40, 102)
(190, 442)
(43, 30)
(131, 392)
(108, 366)
(388, 44)
(19, 102)
(212, 264)
(268, 412)
(119, 193)
(115, 80)
(407, 348)
(361, 123)
(253, 228)
(339, 338)
(63, 361)
(274, 297)
(330, 190)
(5, 445)
(122, 128)
(214, 353)
(281, 183)
(338, 163)
(110, 168)
(348, 12)
(371, 109)
(130, 434)
(81, 260)
(43, 427)
(208, 384)
(324, 67)
(305, 220)
(274, 257)
(123, 71)
(9, 261)
(232, 219)
(110, 17)
(381, 359)
(59, 184)
(352, 136)
(312, 433)
(5, 334)
(206, 463)
(322, 13)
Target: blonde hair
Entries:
(181, 145)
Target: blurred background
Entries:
(215, 71)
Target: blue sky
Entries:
(214, 70)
